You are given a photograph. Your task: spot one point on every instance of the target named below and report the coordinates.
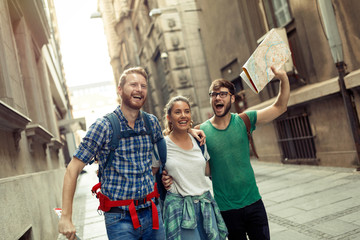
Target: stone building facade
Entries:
(36, 124)
(185, 45)
(315, 129)
(168, 45)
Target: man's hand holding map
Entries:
(272, 51)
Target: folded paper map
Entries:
(272, 51)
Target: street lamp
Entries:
(156, 12)
(96, 14)
(333, 36)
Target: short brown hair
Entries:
(219, 83)
(137, 70)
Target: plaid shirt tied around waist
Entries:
(130, 175)
(180, 213)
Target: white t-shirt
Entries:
(187, 168)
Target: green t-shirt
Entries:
(233, 177)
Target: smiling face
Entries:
(133, 92)
(180, 116)
(221, 106)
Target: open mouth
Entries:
(219, 106)
(183, 122)
(138, 97)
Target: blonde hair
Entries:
(137, 70)
(167, 112)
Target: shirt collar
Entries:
(121, 116)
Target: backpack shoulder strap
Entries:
(246, 120)
(114, 122)
(148, 127)
(160, 146)
(160, 143)
(161, 151)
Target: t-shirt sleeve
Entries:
(155, 162)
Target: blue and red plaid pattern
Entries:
(129, 176)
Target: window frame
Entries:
(271, 16)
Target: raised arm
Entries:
(66, 227)
(280, 105)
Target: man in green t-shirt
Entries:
(233, 178)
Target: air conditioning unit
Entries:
(288, 66)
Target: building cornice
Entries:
(316, 91)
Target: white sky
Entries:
(83, 43)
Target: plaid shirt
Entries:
(179, 214)
(129, 176)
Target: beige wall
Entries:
(32, 101)
(333, 138)
(229, 31)
(12, 91)
(28, 202)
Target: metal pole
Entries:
(350, 109)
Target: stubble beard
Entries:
(126, 101)
(227, 109)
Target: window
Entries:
(138, 34)
(28, 235)
(296, 138)
(161, 79)
(147, 9)
(238, 84)
(277, 13)
(123, 55)
(240, 98)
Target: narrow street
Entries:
(303, 202)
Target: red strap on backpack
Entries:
(106, 204)
(246, 120)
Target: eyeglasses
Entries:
(221, 94)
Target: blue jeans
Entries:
(198, 233)
(251, 220)
(119, 226)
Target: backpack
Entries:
(159, 146)
(246, 120)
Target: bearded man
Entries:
(233, 178)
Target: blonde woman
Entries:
(190, 211)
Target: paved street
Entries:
(303, 202)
